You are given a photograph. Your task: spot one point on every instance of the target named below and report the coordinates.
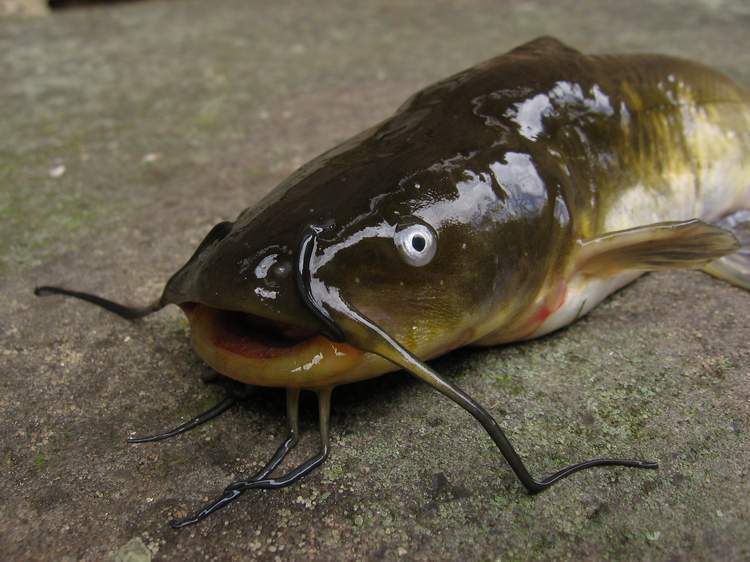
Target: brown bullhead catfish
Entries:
(496, 205)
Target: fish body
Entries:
(497, 205)
(514, 164)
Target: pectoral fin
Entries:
(735, 268)
(666, 245)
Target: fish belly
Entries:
(581, 295)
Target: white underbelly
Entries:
(582, 294)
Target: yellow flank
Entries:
(699, 169)
(632, 95)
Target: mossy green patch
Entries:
(509, 383)
(38, 212)
(40, 461)
(333, 471)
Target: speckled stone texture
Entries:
(126, 132)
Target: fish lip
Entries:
(251, 356)
(250, 334)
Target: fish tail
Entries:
(735, 267)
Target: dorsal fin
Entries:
(544, 45)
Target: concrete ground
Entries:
(126, 132)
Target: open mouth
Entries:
(263, 351)
(252, 336)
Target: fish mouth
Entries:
(266, 352)
(250, 335)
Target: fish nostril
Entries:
(273, 270)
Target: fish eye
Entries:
(416, 243)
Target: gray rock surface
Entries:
(23, 8)
(126, 132)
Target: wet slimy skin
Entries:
(499, 204)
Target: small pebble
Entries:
(57, 171)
